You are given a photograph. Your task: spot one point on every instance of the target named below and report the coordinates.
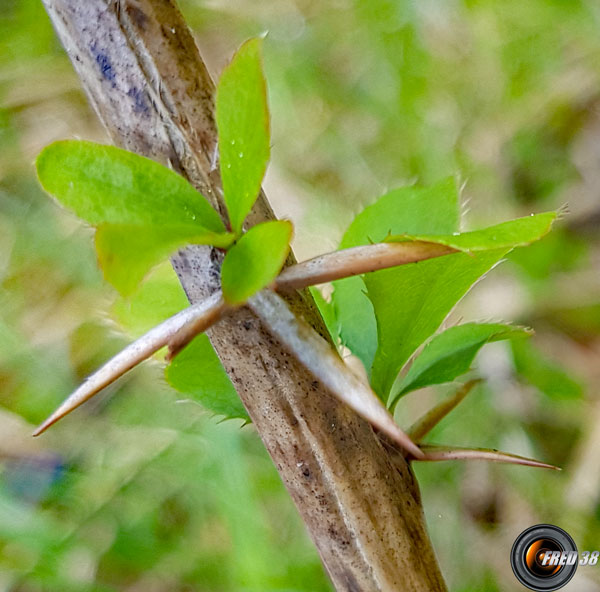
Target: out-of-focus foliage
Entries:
(140, 492)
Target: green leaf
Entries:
(411, 301)
(432, 209)
(197, 372)
(143, 211)
(450, 354)
(411, 210)
(244, 136)
(107, 185)
(126, 252)
(511, 234)
(541, 372)
(327, 312)
(255, 260)
(158, 298)
(356, 319)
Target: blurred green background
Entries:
(141, 489)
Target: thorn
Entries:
(199, 325)
(137, 352)
(428, 421)
(323, 362)
(441, 453)
(356, 261)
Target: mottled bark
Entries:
(146, 80)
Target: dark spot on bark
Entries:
(138, 16)
(139, 97)
(105, 65)
(340, 540)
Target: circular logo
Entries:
(544, 558)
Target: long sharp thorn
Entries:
(322, 361)
(356, 261)
(440, 453)
(194, 328)
(428, 421)
(137, 352)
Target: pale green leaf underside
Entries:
(197, 372)
(126, 253)
(107, 185)
(255, 260)
(244, 138)
(450, 354)
(433, 210)
(511, 234)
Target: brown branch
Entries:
(139, 65)
(321, 360)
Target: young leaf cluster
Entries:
(143, 211)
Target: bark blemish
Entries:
(139, 96)
(104, 63)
